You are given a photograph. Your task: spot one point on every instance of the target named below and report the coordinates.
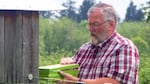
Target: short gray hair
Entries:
(109, 12)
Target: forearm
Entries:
(100, 81)
(89, 81)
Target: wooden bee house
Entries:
(19, 39)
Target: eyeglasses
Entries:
(96, 24)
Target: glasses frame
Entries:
(96, 24)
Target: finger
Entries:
(60, 82)
(65, 75)
(63, 61)
(66, 61)
(62, 73)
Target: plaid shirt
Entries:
(117, 58)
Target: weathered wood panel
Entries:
(35, 45)
(2, 75)
(30, 42)
(9, 50)
(19, 46)
(17, 58)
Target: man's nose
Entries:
(91, 29)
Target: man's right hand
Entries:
(66, 61)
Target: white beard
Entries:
(94, 40)
(98, 39)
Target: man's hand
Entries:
(66, 61)
(67, 78)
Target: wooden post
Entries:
(19, 46)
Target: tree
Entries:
(133, 14)
(45, 14)
(147, 11)
(70, 12)
(84, 8)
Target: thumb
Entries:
(68, 76)
(62, 73)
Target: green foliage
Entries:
(138, 32)
(144, 70)
(54, 57)
(62, 34)
(143, 47)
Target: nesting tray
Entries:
(52, 70)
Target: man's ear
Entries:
(112, 25)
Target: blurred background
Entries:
(62, 32)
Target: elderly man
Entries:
(108, 58)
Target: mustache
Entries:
(93, 34)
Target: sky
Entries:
(119, 5)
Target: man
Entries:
(108, 58)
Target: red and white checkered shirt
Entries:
(117, 58)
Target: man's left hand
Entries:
(68, 78)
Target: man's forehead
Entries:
(95, 16)
(96, 10)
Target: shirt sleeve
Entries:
(124, 65)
